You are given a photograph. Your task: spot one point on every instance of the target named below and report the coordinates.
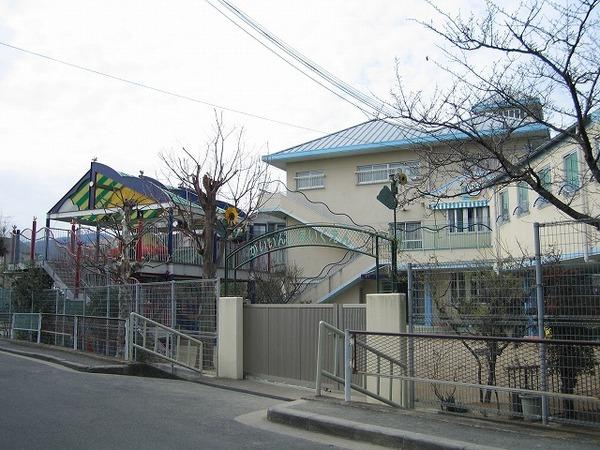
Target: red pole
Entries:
(78, 269)
(33, 237)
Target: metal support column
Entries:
(411, 344)
(46, 239)
(540, 318)
(377, 263)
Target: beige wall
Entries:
(515, 237)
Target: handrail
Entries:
(323, 326)
(461, 337)
(170, 331)
(164, 327)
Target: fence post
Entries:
(137, 297)
(540, 318)
(75, 332)
(33, 237)
(347, 367)
(411, 354)
(39, 330)
(320, 351)
(127, 337)
(46, 239)
(12, 327)
(230, 338)
(387, 313)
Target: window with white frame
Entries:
(523, 198)
(461, 220)
(571, 165)
(310, 179)
(377, 173)
(515, 113)
(546, 183)
(409, 235)
(503, 204)
(457, 287)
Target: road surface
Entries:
(45, 406)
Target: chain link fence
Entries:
(551, 295)
(95, 321)
(483, 375)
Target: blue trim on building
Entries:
(291, 155)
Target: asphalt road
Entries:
(49, 407)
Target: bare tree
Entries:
(279, 285)
(223, 171)
(542, 67)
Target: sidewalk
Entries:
(73, 359)
(397, 428)
(88, 362)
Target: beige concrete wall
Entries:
(230, 328)
(387, 313)
(515, 237)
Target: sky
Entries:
(54, 119)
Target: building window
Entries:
(409, 235)
(310, 179)
(457, 287)
(504, 212)
(377, 173)
(461, 220)
(523, 198)
(546, 183)
(515, 113)
(571, 172)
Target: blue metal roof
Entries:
(379, 135)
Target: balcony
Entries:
(421, 236)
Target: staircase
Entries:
(349, 271)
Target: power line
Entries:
(369, 105)
(155, 89)
(376, 106)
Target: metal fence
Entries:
(483, 375)
(280, 341)
(552, 295)
(94, 321)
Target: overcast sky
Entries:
(54, 119)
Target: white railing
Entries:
(340, 336)
(164, 342)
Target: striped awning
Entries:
(460, 204)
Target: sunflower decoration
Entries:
(231, 215)
(402, 178)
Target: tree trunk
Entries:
(208, 263)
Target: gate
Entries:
(280, 341)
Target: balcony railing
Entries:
(420, 236)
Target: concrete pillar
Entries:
(387, 313)
(230, 338)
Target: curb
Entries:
(131, 370)
(384, 436)
(116, 369)
(180, 375)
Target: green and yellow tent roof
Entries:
(103, 192)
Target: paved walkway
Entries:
(416, 429)
(77, 360)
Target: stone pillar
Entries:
(387, 313)
(230, 328)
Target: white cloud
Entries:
(54, 119)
